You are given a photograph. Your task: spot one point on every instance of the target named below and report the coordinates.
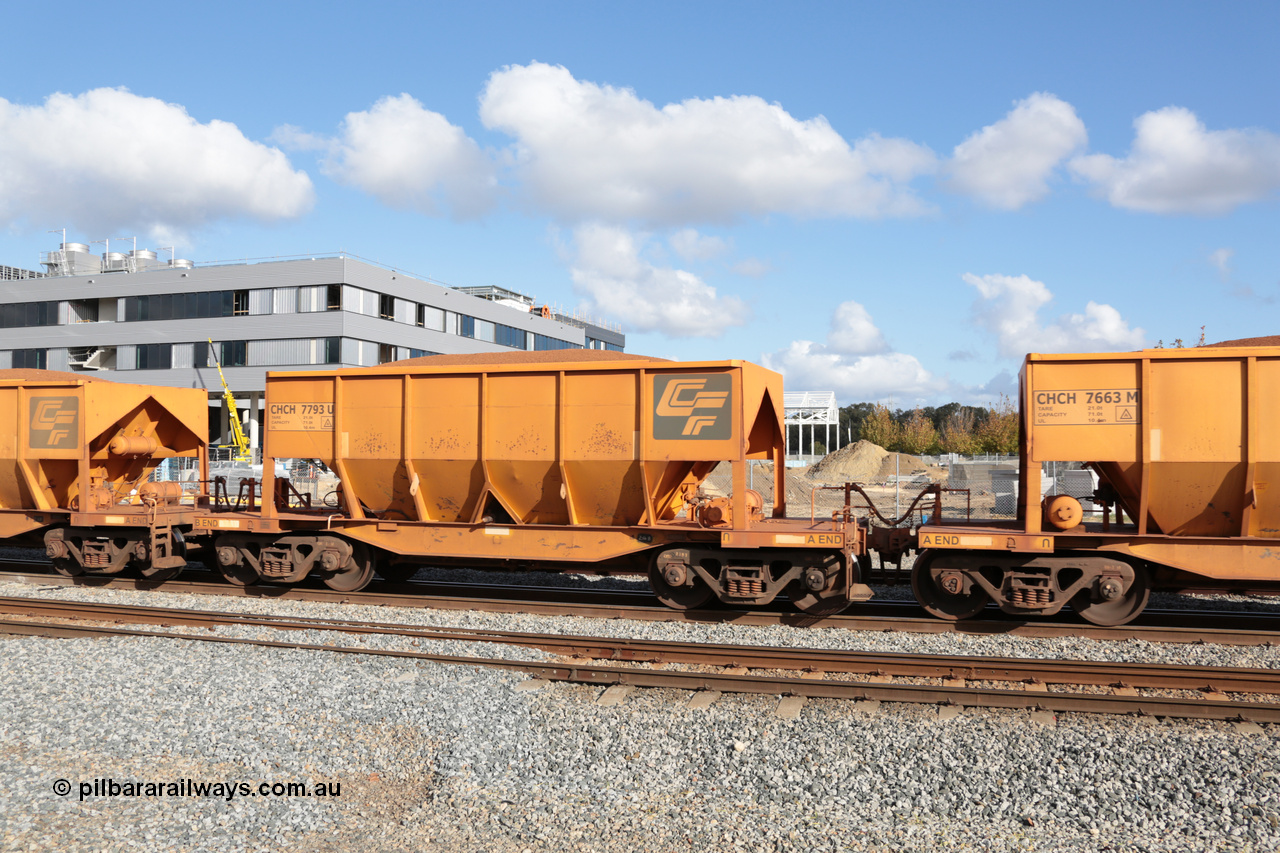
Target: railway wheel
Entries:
(239, 574)
(355, 573)
(820, 591)
(1118, 610)
(232, 566)
(675, 583)
(939, 601)
(55, 548)
(864, 568)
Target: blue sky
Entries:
(891, 201)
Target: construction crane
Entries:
(243, 451)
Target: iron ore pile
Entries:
(433, 757)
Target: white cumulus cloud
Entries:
(692, 246)
(609, 269)
(112, 160)
(807, 366)
(1176, 165)
(1221, 260)
(753, 267)
(1008, 164)
(855, 362)
(586, 151)
(853, 332)
(408, 157)
(1008, 308)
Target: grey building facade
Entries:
(137, 319)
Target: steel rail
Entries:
(642, 599)
(898, 664)
(1212, 709)
(1244, 635)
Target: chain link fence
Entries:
(309, 479)
(973, 487)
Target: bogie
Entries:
(247, 559)
(959, 584)
(815, 581)
(158, 554)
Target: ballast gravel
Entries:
(434, 757)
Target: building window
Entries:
(543, 342)
(386, 307)
(200, 354)
(184, 306)
(34, 359)
(162, 306)
(386, 353)
(430, 317)
(234, 353)
(137, 308)
(332, 351)
(241, 303)
(333, 298)
(153, 356)
(509, 336)
(419, 353)
(20, 314)
(466, 326)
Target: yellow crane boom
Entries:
(243, 452)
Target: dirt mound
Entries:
(867, 463)
(906, 465)
(857, 463)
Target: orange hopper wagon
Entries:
(570, 460)
(1186, 448)
(76, 463)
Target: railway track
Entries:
(1162, 626)
(827, 673)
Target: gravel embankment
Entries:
(431, 757)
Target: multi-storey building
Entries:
(164, 323)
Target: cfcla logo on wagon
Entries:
(693, 407)
(55, 422)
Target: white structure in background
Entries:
(811, 409)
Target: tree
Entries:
(878, 427)
(917, 435)
(957, 434)
(851, 417)
(998, 433)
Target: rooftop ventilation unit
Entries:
(71, 259)
(144, 259)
